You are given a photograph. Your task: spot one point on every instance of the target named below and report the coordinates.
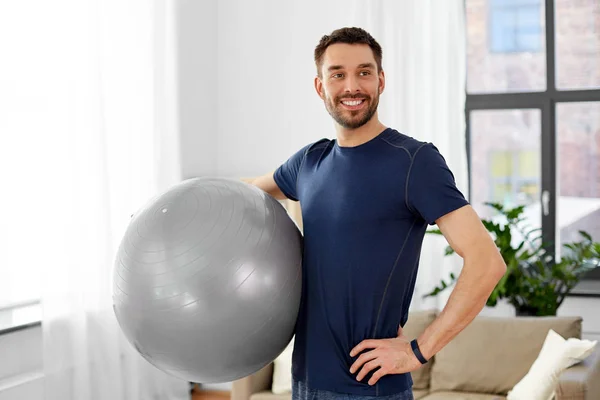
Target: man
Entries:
(367, 198)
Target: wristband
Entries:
(415, 347)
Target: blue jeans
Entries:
(301, 392)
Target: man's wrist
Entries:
(417, 351)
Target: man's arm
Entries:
(483, 268)
(267, 184)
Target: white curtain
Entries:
(109, 143)
(424, 57)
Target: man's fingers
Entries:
(365, 344)
(376, 376)
(362, 359)
(371, 365)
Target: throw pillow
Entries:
(282, 371)
(557, 354)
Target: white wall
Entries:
(196, 23)
(246, 80)
(588, 309)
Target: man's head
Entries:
(350, 77)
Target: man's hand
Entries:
(392, 356)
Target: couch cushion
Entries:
(419, 394)
(493, 353)
(268, 395)
(462, 396)
(416, 324)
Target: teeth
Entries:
(352, 103)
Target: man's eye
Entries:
(337, 75)
(366, 72)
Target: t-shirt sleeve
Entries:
(431, 190)
(286, 176)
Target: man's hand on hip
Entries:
(391, 356)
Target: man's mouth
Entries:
(353, 104)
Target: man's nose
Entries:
(352, 85)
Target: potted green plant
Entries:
(534, 283)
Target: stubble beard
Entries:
(350, 119)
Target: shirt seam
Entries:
(390, 277)
(412, 161)
(387, 286)
(398, 147)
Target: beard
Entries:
(352, 119)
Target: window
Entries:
(506, 169)
(514, 176)
(515, 26)
(533, 112)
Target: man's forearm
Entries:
(473, 287)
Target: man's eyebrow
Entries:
(367, 65)
(363, 65)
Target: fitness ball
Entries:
(207, 280)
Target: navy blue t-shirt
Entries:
(365, 210)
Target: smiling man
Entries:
(367, 198)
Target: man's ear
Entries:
(319, 87)
(381, 82)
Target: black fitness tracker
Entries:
(417, 351)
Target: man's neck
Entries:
(358, 136)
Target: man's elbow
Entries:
(497, 268)
(487, 266)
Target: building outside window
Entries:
(515, 26)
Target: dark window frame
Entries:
(546, 101)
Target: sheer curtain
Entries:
(109, 143)
(424, 55)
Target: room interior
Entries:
(108, 103)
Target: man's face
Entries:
(350, 84)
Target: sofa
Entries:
(483, 362)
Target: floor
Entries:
(209, 395)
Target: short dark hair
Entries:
(348, 35)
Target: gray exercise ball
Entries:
(207, 280)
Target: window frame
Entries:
(546, 101)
